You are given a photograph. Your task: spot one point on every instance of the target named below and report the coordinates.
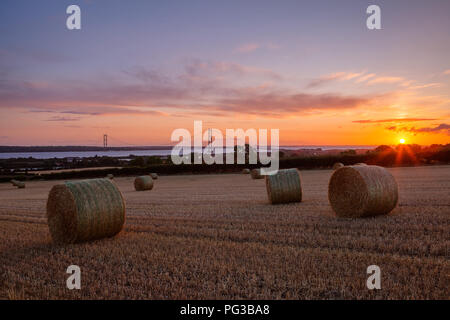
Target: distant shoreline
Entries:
(21, 149)
(77, 152)
(10, 149)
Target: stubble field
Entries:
(217, 237)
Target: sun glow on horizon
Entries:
(402, 141)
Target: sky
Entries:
(138, 70)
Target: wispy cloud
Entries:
(146, 75)
(358, 77)
(443, 127)
(365, 77)
(253, 46)
(211, 68)
(383, 80)
(331, 77)
(423, 86)
(394, 120)
(61, 119)
(247, 47)
(95, 111)
(279, 104)
(203, 87)
(447, 72)
(370, 79)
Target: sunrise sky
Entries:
(137, 70)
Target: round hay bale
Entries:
(284, 186)
(154, 175)
(256, 174)
(18, 184)
(85, 210)
(362, 191)
(360, 164)
(110, 176)
(246, 171)
(338, 165)
(143, 183)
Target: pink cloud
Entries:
(248, 47)
(279, 104)
(253, 46)
(204, 87)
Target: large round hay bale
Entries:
(256, 174)
(362, 191)
(284, 186)
(18, 184)
(85, 210)
(338, 165)
(154, 175)
(246, 171)
(143, 183)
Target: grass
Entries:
(216, 236)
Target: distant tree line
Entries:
(402, 155)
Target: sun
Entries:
(402, 141)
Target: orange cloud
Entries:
(393, 120)
(369, 79)
(443, 127)
(383, 80)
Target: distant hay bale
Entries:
(85, 210)
(256, 174)
(362, 191)
(360, 164)
(337, 165)
(18, 184)
(284, 186)
(154, 175)
(143, 183)
(246, 171)
(110, 176)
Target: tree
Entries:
(384, 148)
